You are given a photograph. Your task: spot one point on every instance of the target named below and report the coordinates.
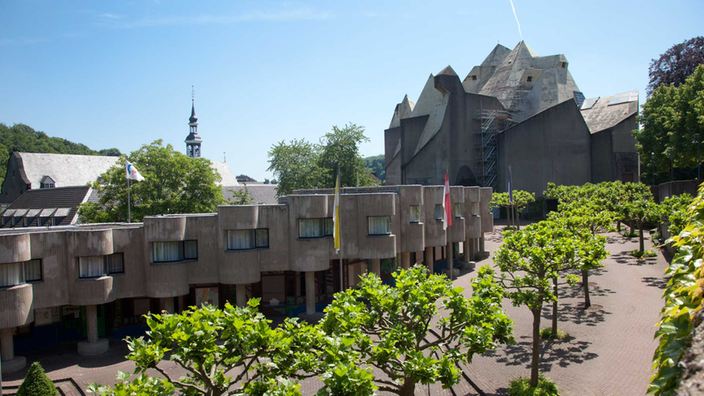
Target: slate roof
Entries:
(262, 193)
(604, 115)
(55, 202)
(228, 178)
(65, 169)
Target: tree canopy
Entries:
(676, 64)
(300, 164)
(20, 137)
(377, 164)
(174, 183)
(669, 120)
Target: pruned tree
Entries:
(528, 261)
(421, 330)
(513, 203)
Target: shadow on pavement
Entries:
(660, 283)
(561, 353)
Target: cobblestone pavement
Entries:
(609, 353)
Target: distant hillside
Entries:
(377, 165)
(20, 137)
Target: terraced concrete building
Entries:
(94, 281)
(516, 109)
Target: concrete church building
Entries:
(516, 109)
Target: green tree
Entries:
(675, 208)
(295, 166)
(36, 383)
(174, 183)
(241, 197)
(207, 343)
(638, 208)
(514, 204)
(340, 150)
(377, 164)
(676, 64)
(529, 260)
(669, 120)
(420, 330)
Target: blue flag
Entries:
(510, 190)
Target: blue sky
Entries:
(119, 74)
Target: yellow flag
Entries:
(336, 215)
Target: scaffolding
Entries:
(490, 124)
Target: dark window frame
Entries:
(182, 245)
(255, 244)
(324, 223)
(41, 271)
(369, 231)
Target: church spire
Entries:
(193, 141)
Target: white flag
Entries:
(132, 172)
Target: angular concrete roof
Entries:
(609, 111)
(505, 76)
(402, 110)
(432, 103)
(228, 178)
(65, 169)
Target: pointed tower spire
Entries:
(193, 141)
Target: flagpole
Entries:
(129, 210)
(339, 218)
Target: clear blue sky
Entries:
(119, 74)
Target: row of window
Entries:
(13, 274)
(169, 252)
(43, 221)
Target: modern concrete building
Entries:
(516, 109)
(89, 282)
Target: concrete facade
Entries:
(516, 109)
(213, 258)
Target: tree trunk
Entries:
(535, 361)
(518, 219)
(509, 215)
(554, 308)
(585, 283)
(409, 387)
(618, 225)
(642, 245)
(633, 229)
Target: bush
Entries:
(546, 334)
(36, 383)
(521, 387)
(629, 234)
(655, 237)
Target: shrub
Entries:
(36, 383)
(521, 387)
(655, 237)
(546, 334)
(629, 234)
(648, 253)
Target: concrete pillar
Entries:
(310, 292)
(376, 267)
(181, 304)
(92, 322)
(481, 243)
(351, 275)
(467, 250)
(7, 347)
(240, 295)
(428, 259)
(448, 253)
(405, 260)
(167, 304)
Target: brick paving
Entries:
(609, 353)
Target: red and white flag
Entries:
(446, 207)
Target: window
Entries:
(116, 263)
(474, 78)
(438, 213)
(248, 239)
(11, 274)
(166, 252)
(6, 219)
(44, 220)
(315, 228)
(458, 210)
(16, 220)
(91, 266)
(33, 271)
(415, 214)
(56, 220)
(530, 79)
(47, 185)
(97, 266)
(563, 65)
(379, 225)
(28, 220)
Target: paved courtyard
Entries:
(609, 353)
